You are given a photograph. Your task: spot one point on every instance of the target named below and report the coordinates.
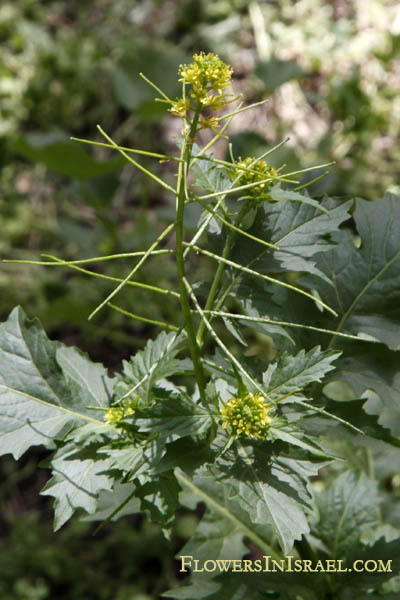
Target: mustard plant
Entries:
(279, 446)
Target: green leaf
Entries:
(366, 280)
(174, 415)
(91, 433)
(300, 231)
(279, 194)
(199, 589)
(255, 300)
(234, 330)
(147, 366)
(291, 435)
(215, 537)
(386, 531)
(131, 460)
(380, 551)
(290, 373)
(347, 508)
(286, 585)
(160, 497)
(208, 176)
(76, 482)
(263, 495)
(353, 413)
(121, 497)
(39, 401)
(60, 154)
(372, 372)
(210, 485)
(89, 378)
(186, 453)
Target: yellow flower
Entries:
(180, 107)
(214, 101)
(251, 174)
(208, 123)
(116, 414)
(246, 415)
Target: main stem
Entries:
(218, 274)
(186, 155)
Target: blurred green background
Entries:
(331, 71)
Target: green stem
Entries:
(136, 164)
(236, 265)
(230, 226)
(219, 273)
(132, 273)
(83, 261)
(72, 265)
(143, 319)
(163, 157)
(186, 155)
(224, 349)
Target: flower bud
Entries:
(246, 415)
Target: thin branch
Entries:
(306, 185)
(262, 276)
(126, 149)
(326, 413)
(233, 227)
(83, 261)
(143, 319)
(267, 320)
(240, 110)
(145, 286)
(153, 85)
(131, 274)
(136, 164)
(203, 227)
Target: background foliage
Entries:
(331, 71)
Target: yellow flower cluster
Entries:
(246, 415)
(116, 414)
(207, 72)
(206, 75)
(257, 172)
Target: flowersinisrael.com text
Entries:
(290, 564)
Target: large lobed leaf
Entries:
(299, 230)
(207, 175)
(383, 551)
(364, 288)
(371, 373)
(45, 388)
(215, 536)
(265, 496)
(289, 373)
(147, 366)
(365, 280)
(347, 508)
(256, 586)
(175, 415)
(78, 477)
